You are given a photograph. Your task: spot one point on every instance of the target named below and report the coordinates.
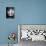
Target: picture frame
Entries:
(10, 12)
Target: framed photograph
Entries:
(10, 12)
(32, 32)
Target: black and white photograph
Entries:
(31, 34)
(10, 12)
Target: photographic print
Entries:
(28, 34)
(10, 12)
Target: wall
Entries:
(31, 11)
(6, 25)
